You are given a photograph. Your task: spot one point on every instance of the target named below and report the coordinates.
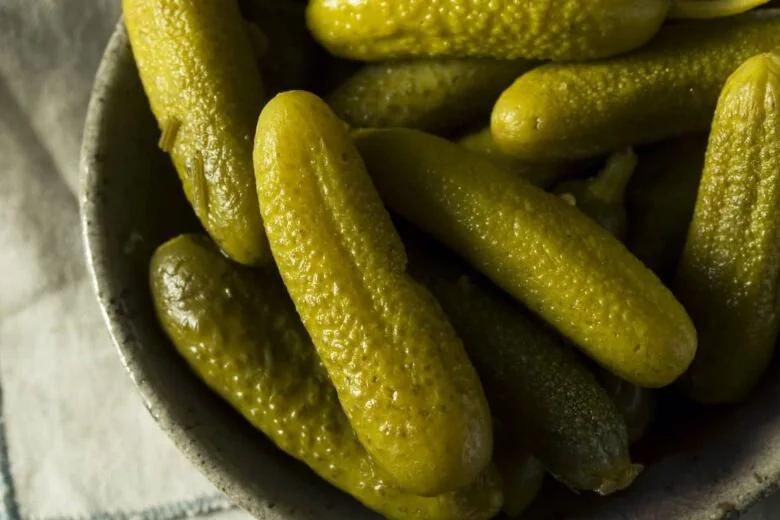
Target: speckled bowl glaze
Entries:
(701, 465)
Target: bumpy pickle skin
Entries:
(401, 372)
(537, 388)
(666, 89)
(239, 331)
(660, 200)
(544, 252)
(602, 199)
(198, 69)
(544, 175)
(729, 270)
(439, 96)
(372, 30)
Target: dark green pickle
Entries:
(239, 331)
(536, 386)
(602, 199)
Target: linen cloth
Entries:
(76, 440)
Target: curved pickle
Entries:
(438, 96)
(402, 374)
(668, 88)
(602, 199)
(728, 274)
(198, 69)
(538, 248)
(372, 30)
(239, 331)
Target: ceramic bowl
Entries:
(700, 465)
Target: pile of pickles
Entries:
(453, 246)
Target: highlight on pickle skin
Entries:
(729, 271)
(238, 330)
(197, 67)
(401, 372)
(372, 30)
(538, 248)
(668, 88)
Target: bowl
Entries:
(701, 464)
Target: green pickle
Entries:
(401, 372)
(668, 88)
(538, 248)
(660, 200)
(197, 65)
(729, 270)
(372, 30)
(537, 388)
(239, 331)
(438, 96)
(543, 175)
(602, 197)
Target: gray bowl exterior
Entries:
(131, 202)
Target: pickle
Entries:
(538, 248)
(198, 69)
(239, 331)
(402, 374)
(728, 273)
(438, 96)
(537, 388)
(668, 88)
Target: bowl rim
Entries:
(186, 441)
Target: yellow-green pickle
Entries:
(660, 200)
(543, 175)
(198, 68)
(728, 274)
(537, 29)
(401, 372)
(438, 96)
(239, 331)
(665, 89)
(538, 248)
(537, 388)
(601, 198)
